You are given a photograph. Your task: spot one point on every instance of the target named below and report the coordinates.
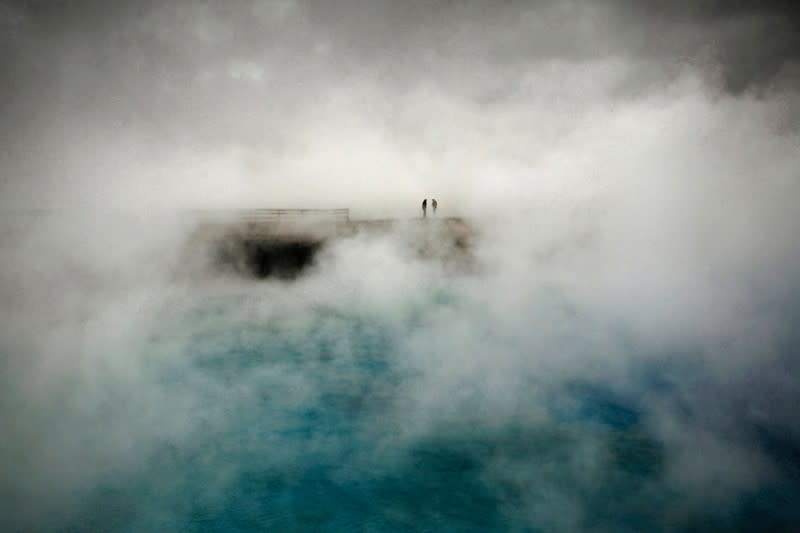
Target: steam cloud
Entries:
(624, 352)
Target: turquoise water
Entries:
(329, 420)
(273, 408)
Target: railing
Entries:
(263, 215)
(277, 215)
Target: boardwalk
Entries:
(321, 224)
(282, 242)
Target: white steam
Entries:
(617, 225)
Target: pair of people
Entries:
(434, 205)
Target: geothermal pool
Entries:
(379, 393)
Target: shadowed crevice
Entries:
(263, 258)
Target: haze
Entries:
(632, 170)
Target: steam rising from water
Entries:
(622, 355)
(379, 390)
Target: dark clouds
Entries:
(156, 78)
(753, 40)
(133, 56)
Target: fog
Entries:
(620, 353)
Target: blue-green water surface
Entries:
(330, 421)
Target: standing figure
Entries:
(424, 208)
(434, 205)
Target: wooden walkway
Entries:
(282, 242)
(315, 225)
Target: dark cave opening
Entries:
(263, 258)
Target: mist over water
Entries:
(381, 391)
(618, 351)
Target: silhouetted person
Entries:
(434, 205)
(424, 208)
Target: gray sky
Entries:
(180, 104)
